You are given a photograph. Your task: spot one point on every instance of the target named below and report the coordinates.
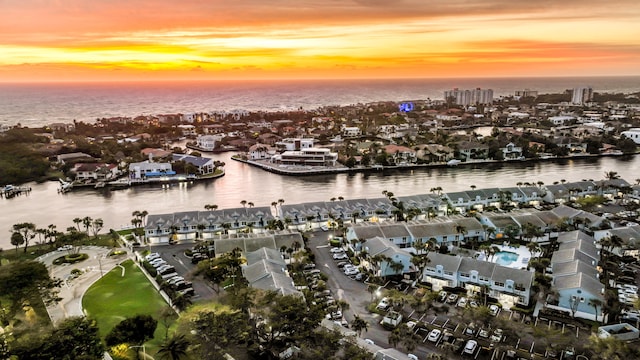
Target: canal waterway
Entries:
(44, 205)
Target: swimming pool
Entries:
(506, 258)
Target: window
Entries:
(464, 275)
(448, 273)
(483, 278)
(520, 287)
(500, 284)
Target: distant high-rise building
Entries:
(525, 93)
(582, 95)
(469, 97)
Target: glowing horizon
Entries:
(143, 40)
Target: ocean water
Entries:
(40, 104)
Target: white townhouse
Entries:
(511, 287)
(266, 269)
(191, 225)
(576, 277)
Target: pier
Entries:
(10, 191)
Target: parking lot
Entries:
(174, 256)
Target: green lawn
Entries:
(114, 298)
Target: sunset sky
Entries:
(84, 40)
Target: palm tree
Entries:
(611, 175)
(359, 324)
(595, 303)
(174, 348)
(244, 203)
(77, 221)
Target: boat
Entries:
(453, 162)
(99, 185)
(65, 186)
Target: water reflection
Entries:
(45, 206)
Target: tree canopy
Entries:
(134, 330)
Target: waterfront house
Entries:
(429, 205)
(260, 152)
(400, 155)
(95, 172)
(306, 157)
(472, 150)
(434, 153)
(147, 170)
(512, 152)
(204, 165)
(208, 142)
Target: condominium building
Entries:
(469, 97)
(582, 95)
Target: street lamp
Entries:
(144, 349)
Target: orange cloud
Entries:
(165, 39)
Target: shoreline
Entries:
(302, 170)
(113, 185)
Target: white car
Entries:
(65, 248)
(470, 347)
(152, 256)
(434, 335)
(494, 309)
(412, 357)
(351, 271)
(340, 256)
(384, 304)
(337, 250)
(462, 302)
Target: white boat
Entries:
(453, 162)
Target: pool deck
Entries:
(523, 256)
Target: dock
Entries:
(10, 191)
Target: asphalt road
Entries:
(355, 293)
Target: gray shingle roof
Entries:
(579, 281)
(502, 274)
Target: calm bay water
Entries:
(45, 206)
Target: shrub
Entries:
(76, 272)
(150, 269)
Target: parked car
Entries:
(342, 264)
(351, 272)
(337, 250)
(148, 257)
(496, 337)
(340, 256)
(484, 333)
(462, 302)
(434, 335)
(452, 298)
(494, 309)
(471, 329)
(384, 304)
(309, 266)
(167, 270)
(473, 303)
(442, 296)
(65, 248)
(470, 347)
